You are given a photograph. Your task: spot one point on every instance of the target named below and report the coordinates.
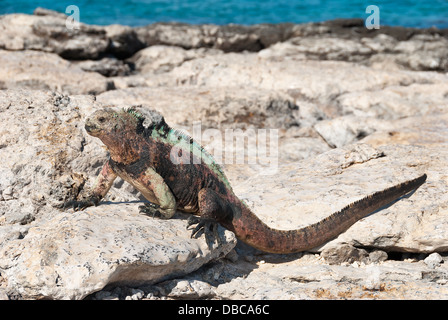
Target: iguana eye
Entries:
(102, 119)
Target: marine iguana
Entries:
(141, 143)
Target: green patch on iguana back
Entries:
(181, 142)
(184, 145)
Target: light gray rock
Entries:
(11, 232)
(318, 48)
(73, 255)
(46, 30)
(292, 149)
(3, 295)
(395, 102)
(344, 130)
(250, 70)
(433, 260)
(162, 58)
(229, 38)
(46, 156)
(344, 253)
(421, 52)
(187, 289)
(49, 33)
(228, 107)
(47, 71)
(377, 256)
(308, 277)
(108, 67)
(29, 152)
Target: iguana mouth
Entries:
(91, 129)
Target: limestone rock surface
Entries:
(355, 110)
(46, 71)
(73, 255)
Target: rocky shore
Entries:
(356, 111)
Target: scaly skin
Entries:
(142, 146)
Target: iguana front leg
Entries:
(102, 185)
(153, 188)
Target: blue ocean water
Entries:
(410, 13)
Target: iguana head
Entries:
(103, 122)
(107, 122)
(121, 130)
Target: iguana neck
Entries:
(123, 149)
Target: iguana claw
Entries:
(206, 226)
(150, 209)
(78, 205)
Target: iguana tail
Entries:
(254, 232)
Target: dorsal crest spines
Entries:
(134, 112)
(149, 119)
